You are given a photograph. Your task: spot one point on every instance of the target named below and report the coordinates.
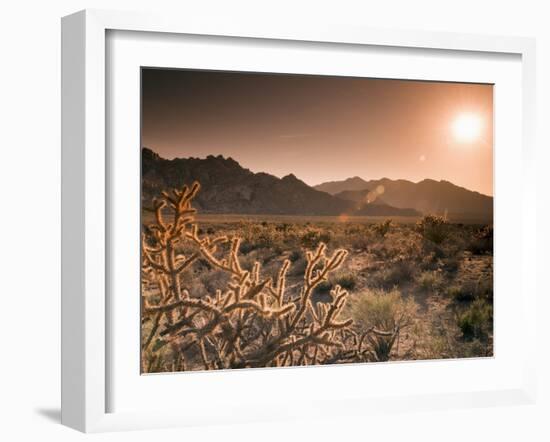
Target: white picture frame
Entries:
(86, 314)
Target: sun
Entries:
(467, 127)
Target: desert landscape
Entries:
(302, 220)
(229, 290)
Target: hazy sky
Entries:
(323, 128)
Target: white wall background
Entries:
(30, 214)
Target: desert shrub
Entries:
(436, 347)
(265, 240)
(376, 308)
(347, 281)
(325, 237)
(430, 280)
(278, 250)
(324, 287)
(284, 227)
(310, 239)
(475, 348)
(294, 256)
(470, 290)
(460, 293)
(394, 274)
(433, 228)
(246, 247)
(382, 316)
(484, 289)
(397, 246)
(381, 229)
(476, 321)
(247, 319)
(212, 280)
(482, 241)
(432, 253)
(362, 242)
(298, 267)
(353, 230)
(451, 264)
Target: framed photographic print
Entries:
(291, 221)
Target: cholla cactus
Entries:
(433, 228)
(253, 322)
(382, 228)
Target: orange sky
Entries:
(321, 128)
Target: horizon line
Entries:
(314, 185)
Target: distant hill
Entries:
(227, 187)
(370, 202)
(366, 196)
(426, 196)
(334, 187)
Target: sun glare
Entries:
(467, 127)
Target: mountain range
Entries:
(227, 187)
(426, 196)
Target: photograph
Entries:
(301, 220)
